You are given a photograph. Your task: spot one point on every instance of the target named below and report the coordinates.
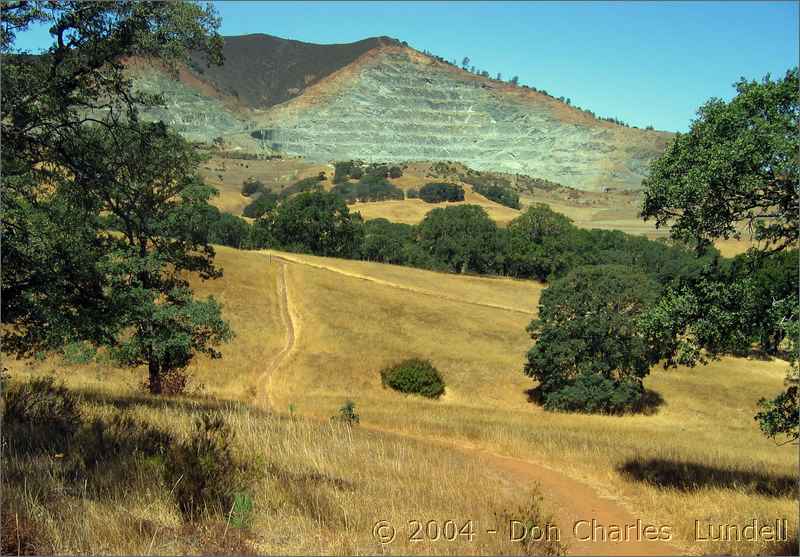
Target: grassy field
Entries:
(698, 457)
(702, 442)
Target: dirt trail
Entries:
(439, 295)
(574, 504)
(280, 358)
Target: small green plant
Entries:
(348, 414)
(242, 510)
(292, 409)
(414, 376)
(201, 471)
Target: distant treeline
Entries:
(539, 244)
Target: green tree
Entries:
(265, 202)
(461, 237)
(436, 192)
(75, 157)
(147, 179)
(384, 241)
(737, 169)
(540, 243)
(318, 223)
(589, 354)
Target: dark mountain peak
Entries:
(263, 70)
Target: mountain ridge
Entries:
(380, 100)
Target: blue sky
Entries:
(645, 63)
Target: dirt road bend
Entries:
(585, 518)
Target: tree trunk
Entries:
(155, 378)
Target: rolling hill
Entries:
(379, 100)
(313, 332)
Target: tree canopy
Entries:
(77, 161)
(590, 355)
(737, 171)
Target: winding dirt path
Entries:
(585, 518)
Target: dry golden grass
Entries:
(350, 328)
(308, 482)
(228, 175)
(353, 318)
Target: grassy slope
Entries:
(348, 328)
(345, 339)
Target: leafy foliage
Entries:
(76, 156)
(589, 354)
(501, 195)
(461, 237)
(436, 192)
(306, 184)
(737, 166)
(414, 376)
(369, 188)
(385, 241)
(738, 163)
(261, 205)
(252, 186)
(318, 223)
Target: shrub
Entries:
(120, 436)
(344, 170)
(499, 194)
(436, 192)
(368, 188)
(201, 470)
(412, 193)
(529, 526)
(252, 186)
(347, 414)
(41, 415)
(395, 172)
(414, 376)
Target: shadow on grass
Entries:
(650, 403)
(691, 476)
(186, 403)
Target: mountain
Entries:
(379, 100)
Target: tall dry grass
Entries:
(699, 457)
(314, 488)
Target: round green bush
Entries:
(414, 376)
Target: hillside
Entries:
(378, 100)
(313, 332)
(262, 70)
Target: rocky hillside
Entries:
(378, 100)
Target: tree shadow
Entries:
(692, 476)
(650, 403)
(196, 403)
